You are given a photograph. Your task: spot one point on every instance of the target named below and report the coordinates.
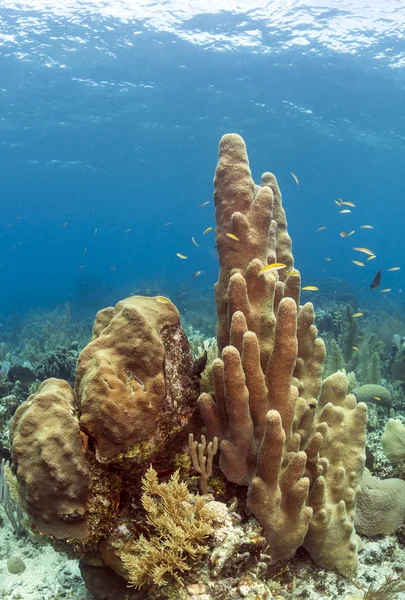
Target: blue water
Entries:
(110, 118)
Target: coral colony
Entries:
(168, 485)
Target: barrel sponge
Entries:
(135, 381)
(48, 451)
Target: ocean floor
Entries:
(50, 575)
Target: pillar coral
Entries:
(297, 443)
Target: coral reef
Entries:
(301, 459)
(109, 468)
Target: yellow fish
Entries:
(204, 203)
(295, 272)
(365, 250)
(272, 267)
(385, 290)
(355, 348)
(295, 178)
(358, 263)
(371, 257)
(394, 269)
(346, 203)
(232, 236)
(126, 230)
(346, 210)
(207, 230)
(366, 227)
(194, 242)
(320, 229)
(327, 258)
(310, 288)
(162, 299)
(358, 314)
(180, 255)
(377, 398)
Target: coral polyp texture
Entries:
(131, 380)
(297, 444)
(52, 471)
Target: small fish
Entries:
(233, 236)
(295, 178)
(200, 363)
(310, 288)
(168, 223)
(64, 225)
(376, 280)
(358, 263)
(207, 230)
(320, 228)
(377, 398)
(355, 348)
(347, 203)
(204, 203)
(196, 274)
(95, 231)
(366, 227)
(81, 267)
(180, 255)
(394, 269)
(385, 290)
(344, 211)
(358, 314)
(372, 257)
(91, 211)
(84, 251)
(194, 242)
(18, 217)
(126, 230)
(113, 268)
(345, 234)
(294, 272)
(365, 250)
(327, 258)
(337, 202)
(272, 267)
(162, 299)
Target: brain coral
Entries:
(47, 448)
(134, 381)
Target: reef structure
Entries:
(295, 441)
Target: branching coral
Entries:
(179, 524)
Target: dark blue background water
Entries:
(110, 117)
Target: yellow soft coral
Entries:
(179, 524)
